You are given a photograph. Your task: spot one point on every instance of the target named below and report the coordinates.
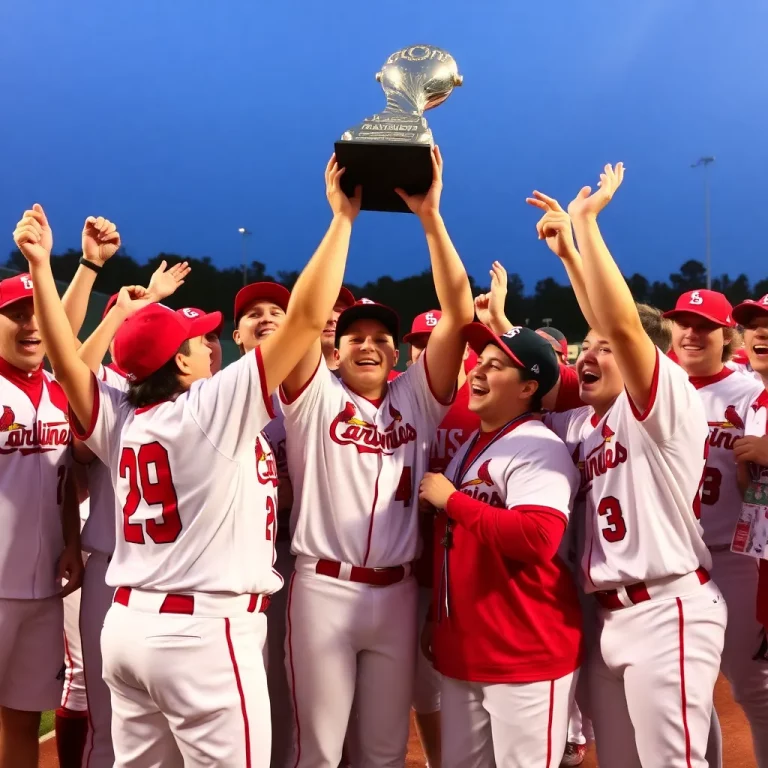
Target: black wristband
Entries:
(85, 263)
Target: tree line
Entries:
(209, 287)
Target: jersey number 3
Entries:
(615, 529)
(158, 491)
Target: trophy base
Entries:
(380, 167)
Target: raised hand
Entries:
(490, 306)
(341, 205)
(554, 227)
(101, 240)
(587, 204)
(427, 204)
(132, 298)
(33, 236)
(164, 282)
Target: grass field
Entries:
(46, 723)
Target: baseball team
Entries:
(275, 562)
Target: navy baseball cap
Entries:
(365, 309)
(524, 347)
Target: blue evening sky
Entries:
(183, 120)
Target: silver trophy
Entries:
(392, 148)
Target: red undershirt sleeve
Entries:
(525, 533)
(568, 394)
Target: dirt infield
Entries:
(737, 744)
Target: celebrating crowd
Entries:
(285, 556)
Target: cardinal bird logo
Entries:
(8, 420)
(348, 416)
(732, 420)
(396, 417)
(483, 476)
(607, 433)
(733, 417)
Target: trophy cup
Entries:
(392, 148)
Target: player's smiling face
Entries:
(600, 381)
(756, 344)
(260, 320)
(497, 393)
(698, 344)
(366, 356)
(20, 341)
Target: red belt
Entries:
(637, 593)
(376, 577)
(185, 604)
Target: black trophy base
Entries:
(380, 168)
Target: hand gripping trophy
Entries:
(392, 148)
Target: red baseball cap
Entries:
(150, 338)
(741, 312)
(111, 301)
(367, 309)
(273, 292)
(710, 305)
(346, 298)
(193, 313)
(423, 324)
(16, 288)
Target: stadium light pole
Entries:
(706, 162)
(244, 233)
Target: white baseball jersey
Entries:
(275, 433)
(34, 459)
(99, 532)
(355, 467)
(641, 478)
(191, 513)
(757, 422)
(727, 398)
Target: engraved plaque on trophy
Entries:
(392, 148)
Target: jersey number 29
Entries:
(159, 491)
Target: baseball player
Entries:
(751, 451)
(507, 636)
(702, 332)
(41, 544)
(455, 428)
(357, 446)
(642, 443)
(328, 341)
(100, 241)
(193, 559)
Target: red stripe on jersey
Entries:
(263, 380)
(293, 673)
(77, 429)
(373, 513)
(452, 396)
(240, 691)
(296, 395)
(549, 723)
(651, 395)
(683, 698)
(67, 677)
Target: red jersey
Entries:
(505, 605)
(459, 423)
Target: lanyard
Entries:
(461, 471)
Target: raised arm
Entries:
(615, 314)
(291, 354)
(555, 228)
(101, 241)
(454, 293)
